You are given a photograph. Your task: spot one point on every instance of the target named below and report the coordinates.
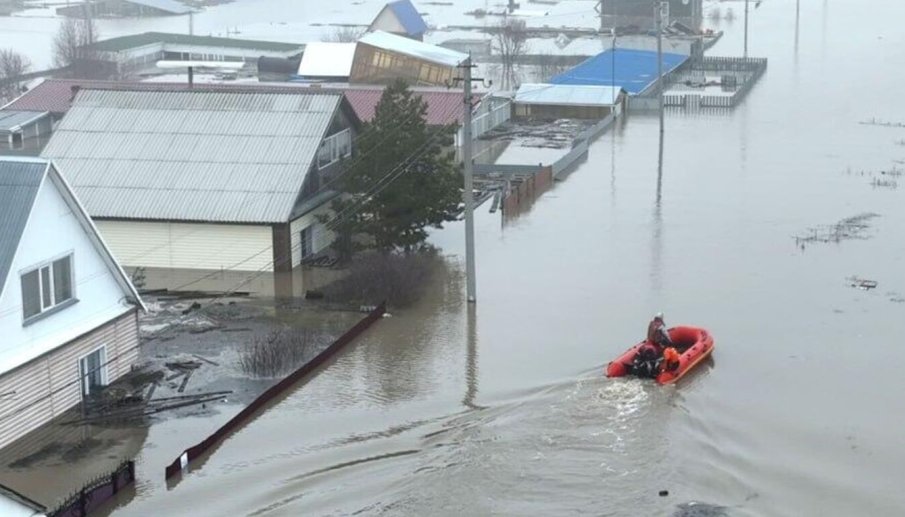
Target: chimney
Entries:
(75, 90)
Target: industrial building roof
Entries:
(20, 179)
(567, 95)
(13, 120)
(170, 6)
(55, 95)
(413, 48)
(327, 60)
(150, 38)
(191, 155)
(408, 16)
(634, 70)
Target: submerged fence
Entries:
(96, 493)
(274, 391)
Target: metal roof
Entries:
(413, 48)
(149, 38)
(408, 16)
(20, 179)
(191, 155)
(327, 60)
(567, 95)
(633, 70)
(12, 120)
(169, 6)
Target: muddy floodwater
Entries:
(503, 409)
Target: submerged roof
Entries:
(149, 38)
(567, 95)
(327, 60)
(170, 6)
(20, 179)
(13, 120)
(413, 48)
(633, 70)
(191, 155)
(408, 16)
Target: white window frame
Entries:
(53, 302)
(332, 147)
(84, 386)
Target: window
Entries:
(334, 147)
(93, 371)
(46, 287)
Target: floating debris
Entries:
(854, 227)
(862, 283)
(881, 123)
(890, 184)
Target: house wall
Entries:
(540, 111)
(51, 232)
(321, 237)
(189, 245)
(377, 66)
(386, 21)
(46, 387)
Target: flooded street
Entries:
(503, 408)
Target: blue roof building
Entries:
(400, 17)
(633, 70)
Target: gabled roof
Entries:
(20, 181)
(322, 59)
(413, 48)
(408, 16)
(12, 120)
(567, 95)
(634, 70)
(192, 155)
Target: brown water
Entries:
(444, 411)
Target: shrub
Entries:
(276, 353)
(397, 277)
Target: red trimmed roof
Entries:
(55, 96)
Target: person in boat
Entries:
(649, 361)
(657, 333)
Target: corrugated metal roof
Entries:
(567, 95)
(20, 179)
(408, 16)
(413, 48)
(327, 60)
(443, 107)
(633, 70)
(11, 120)
(149, 38)
(191, 155)
(164, 5)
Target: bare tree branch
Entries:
(72, 47)
(344, 34)
(12, 66)
(511, 42)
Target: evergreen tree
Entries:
(413, 169)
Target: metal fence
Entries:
(96, 493)
(182, 462)
(493, 118)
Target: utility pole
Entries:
(191, 23)
(599, 8)
(746, 29)
(660, 8)
(468, 193)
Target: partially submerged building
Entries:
(124, 8)
(24, 132)
(14, 504)
(381, 57)
(635, 71)
(206, 179)
(132, 54)
(400, 18)
(558, 101)
(68, 312)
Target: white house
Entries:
(68, 312)
(400, 17)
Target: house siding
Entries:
(205, 246)
(49, 385)
(321, 236)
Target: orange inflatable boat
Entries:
(694, 343)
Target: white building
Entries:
(68, 312)
(206, 179)
(400, 17)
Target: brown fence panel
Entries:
(277, 389)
